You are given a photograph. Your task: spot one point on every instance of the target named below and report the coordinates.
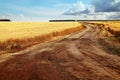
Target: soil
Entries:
(74, 57)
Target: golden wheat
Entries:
(113, 27)
(22, 30)
(19, 35)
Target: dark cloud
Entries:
(106, 5)
(76, 12)
(98, 9)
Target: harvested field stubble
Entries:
(24, 35)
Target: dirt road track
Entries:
(77, 57)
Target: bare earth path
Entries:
(76, 57)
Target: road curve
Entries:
(76, 57)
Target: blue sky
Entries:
(44, 10)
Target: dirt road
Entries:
(76, 57)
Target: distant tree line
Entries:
(61, 20)
(6, 20)
(78, 20)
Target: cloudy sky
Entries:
(44, 10)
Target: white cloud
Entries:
(35, 13)
(79, 6)
(13, 17)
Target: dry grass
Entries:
(19, 35)
(109, 26)
(112, 39)
(113, 28)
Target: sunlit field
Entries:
(22, 30)
(109, 36)
(19, 35)
(113, 27)
(110, 26)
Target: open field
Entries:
(21, 30)
(19, 35)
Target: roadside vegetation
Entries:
(110, 37)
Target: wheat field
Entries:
(113, 25)
(19, 35)
(22, 30)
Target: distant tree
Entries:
(8, 20)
